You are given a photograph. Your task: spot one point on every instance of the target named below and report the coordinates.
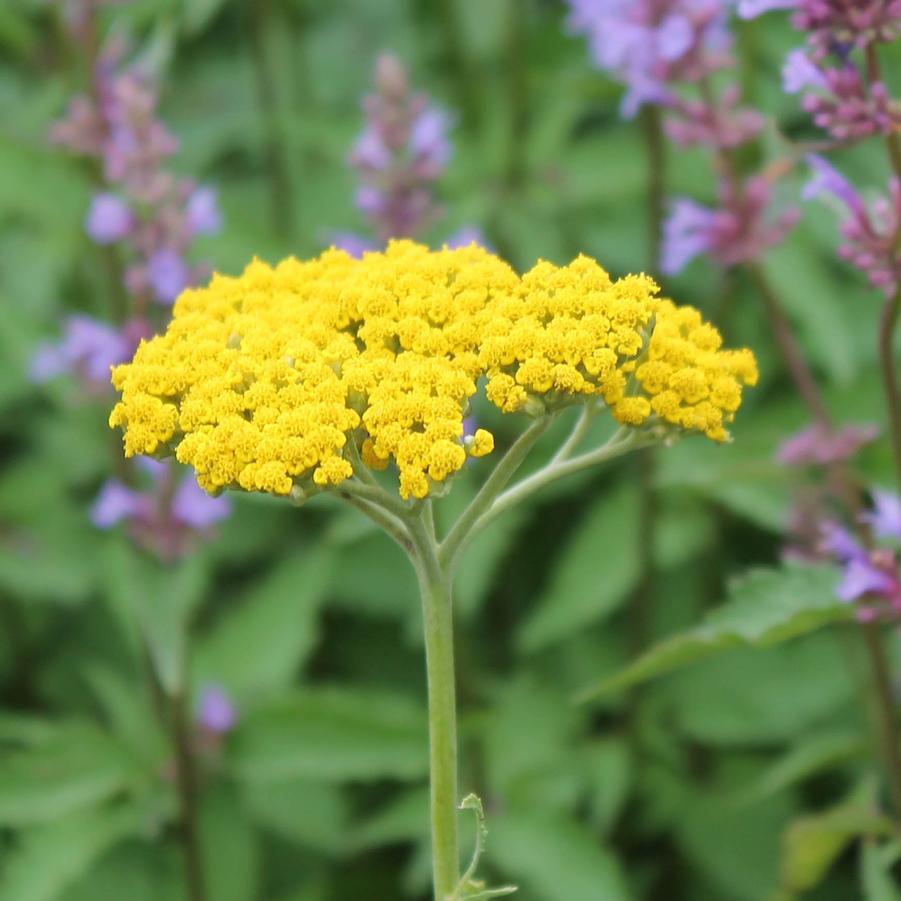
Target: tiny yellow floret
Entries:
(283, 379)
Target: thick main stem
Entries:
(186, 784)
(887, 323)
(437, 615)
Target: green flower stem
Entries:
(413, 527)
(460, 532)
(577, 434)
(437, 615)
(623, 441)
(388, 522)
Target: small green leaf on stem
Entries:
(469, 887)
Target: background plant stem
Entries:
(186, 784)
(887, 324)
(280, 193)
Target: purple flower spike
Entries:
(109, 219)
(649, 46)
(116, 503)
(885, 519)
(750, 9)
(819, 446)
(861, 578)
(402, 150)
(215, 711)
(168, 274)
(827, 180)
(88, 349)
(193, 507)
(800, 73)
(840, 543)
(686, 234)
(202, 216)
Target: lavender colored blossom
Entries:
(648, 45)
(818, 445)
(869, 577)
(168, 274)
(148, 210)
(738, 231)
(800, 73)
(832, 23)
(87, 350)
(216, 712)
(842, 103)
(687, 233)
(885, 518)
(870, 231)
(403, 149)
(166, 517)
(109, 219)
(750, 9)
(723, 125)
(202, 215)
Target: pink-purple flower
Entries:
(871, 231)
(650, 45)
(216, 713)
(869, 576)
(146, 209)
(401, 152)
(819, 445)
(164, 518)
(87, 350)
(738, 231)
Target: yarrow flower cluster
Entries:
(146, 208)
(286, 380)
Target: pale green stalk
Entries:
(412, 526)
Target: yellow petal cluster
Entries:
(293, 375)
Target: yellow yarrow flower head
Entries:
(290, 377)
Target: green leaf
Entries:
(259, 644)
(77, 767)
(813, 843)
(810, 756)
(875, 866)
(305, 812)
(766, 607)
(592, 575)
(332, 734)
(231, 853)
(553, 857)
(47, 859)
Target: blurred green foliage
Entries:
(745, 777)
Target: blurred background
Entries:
(280, 648)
